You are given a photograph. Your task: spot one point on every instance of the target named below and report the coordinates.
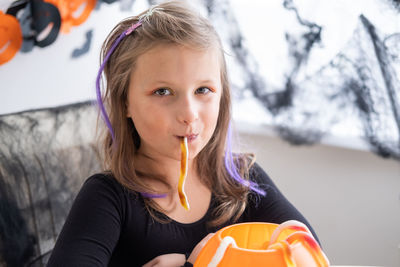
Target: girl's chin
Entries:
(174, 151)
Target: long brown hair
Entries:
(173, 23)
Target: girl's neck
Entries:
(198, 194)
(168, 169)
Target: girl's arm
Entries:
(173, 260)
(92, 227)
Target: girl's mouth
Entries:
(190, 137)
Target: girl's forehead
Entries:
(166, 49)
(171, 58)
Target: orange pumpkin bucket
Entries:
(262, 244)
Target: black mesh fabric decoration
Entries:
(369, 79)
(395, 4)
(361, 81)
(45, 155)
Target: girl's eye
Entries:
(203, 90)
(162, 92)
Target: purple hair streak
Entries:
(98, 91)
(149, 195)
(232, 168)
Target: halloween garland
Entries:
(29, 23)
(10, 37)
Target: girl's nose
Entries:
(187, 111)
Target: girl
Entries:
(166, 82)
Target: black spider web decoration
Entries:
(361, 82)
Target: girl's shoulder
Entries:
(102, 191)
(102, 179)
(258, 174)
(106, 185)
(255, 172)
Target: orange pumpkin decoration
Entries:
(10, 37)
(262, 244)
(73, 12)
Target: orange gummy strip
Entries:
(311, 245)
(183, 173)
(284, 247)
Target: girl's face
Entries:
(174, 92)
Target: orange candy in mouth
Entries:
(183, 174)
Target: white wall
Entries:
(351, 197)
(48, 76)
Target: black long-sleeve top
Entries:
(109, 226)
